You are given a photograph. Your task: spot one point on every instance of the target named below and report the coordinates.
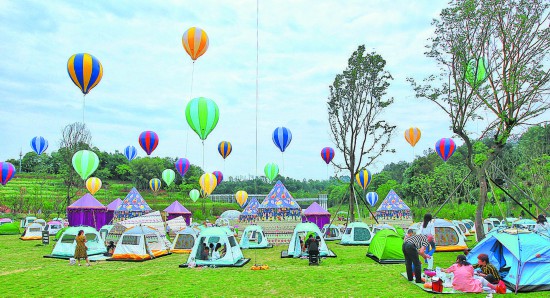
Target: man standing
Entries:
(412, 247)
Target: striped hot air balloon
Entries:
(195, 42)
(85, 71)
(93, 184)
(241, 197)
(194, 194)
(85, 162)
(154, 184)
(7, 171)
(327, 154)
(219, 177)
(39, 145)
(445, 148)
(130, 152)
(148, 140)
(225, 148)
(412, 135)
(182, 166)
(168, 176)
(282, 138)
(364, 178)
(208, 183)
(271, 171)
(202, 115)
(372, 198)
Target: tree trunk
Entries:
(481, 203)
(351, 201)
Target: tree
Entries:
(508, 40)
(355, 105)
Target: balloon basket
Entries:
(259, 267)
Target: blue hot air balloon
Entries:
(130, 152)
(372, 198)
(445, 148)
(282, 138)
(39, 145)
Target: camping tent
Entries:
(461, 227)
(447, 237)
(176, 209)
(152, 220)
(386, 247)
(53, 227)
(86, 211)
(254, 237)
(399, 230)
(393, 208)
(279, 204)
(380, 227)
(66, 245)
(104, 231)
(132, 206)
(184, 240)
(250, 212)
(357, 233)
(331, 232)
(33, 232)
(317, 215)
(140, 243)
(300, 232)
(231, 214)
(9, 229)
(525, 255)
(528, 224)
(5, 221)
(111, 210)
(176, 224)
(230, 255)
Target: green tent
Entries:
(400, 231)
(10, 229)
(386, 248)
(59, 233)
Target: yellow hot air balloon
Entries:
(195, 42)
(412, 135)
(93, 184)
(208, 183)
(241, 196)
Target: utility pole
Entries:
(20, 157)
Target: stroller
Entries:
(313, 252)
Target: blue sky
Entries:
(147, 75)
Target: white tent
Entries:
(302, 231)
(104, 232)
(357, 233)
(53, 227)
(152, 220)
(447, 237)
(331, 232)
(140, 243)
(185, 240)
(33, 232)
(231, 214)
(65, 247)
(230, 252)
(175, 225)
(254, 237)
(381, 227)
(461, 227)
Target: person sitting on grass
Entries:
(111, 248)
(465, 281)
(488, 271)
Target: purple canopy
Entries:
(111, 210)
(87, 211)
(176, 209)
(317, 215)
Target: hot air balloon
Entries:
(148, 140)
(282, 138)
(85, 71)
(195, 42)
(194, 195)
(130, 152)
(271, 171)
(327, 154)
(412, 135)
(208, 183)
(39, 145)
(241, 197)
(225, 148)
(445, 148)
(93, 184)
(168, 176)
(182, 166)
(476, 72)
(202, 115)
(372, 198)
(85, 162)
(364, 178)
(219, 177)
(7, 171)
(154, 184)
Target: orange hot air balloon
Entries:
(412, 135)
(195, 42)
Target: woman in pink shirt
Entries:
(465, 281)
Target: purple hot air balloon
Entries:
(445, 148)
(7, 171)
(148, 140)
(327, 154)
(182, 166)
(219, 176)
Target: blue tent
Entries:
(526, 257)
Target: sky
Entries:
(146, 80)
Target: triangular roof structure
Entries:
(315, 209)
(177, 207)
(87, 201)
(134, 202)
(114, 204)
(392, 202)
(278, 198)
(251, 208)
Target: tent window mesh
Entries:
(151, 238)
(130, 240)
(348, 231)
(232, 241)
(68, 238)
(445, 236)
(35, 230)
(361, 234)
(91, 237)
(184, 241)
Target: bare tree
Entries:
(357, 100)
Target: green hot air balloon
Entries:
(202, 114)
(85, 162)
(271, 171)
(168, 176)
(194, 195)
(476, 72)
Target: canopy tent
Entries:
(279, 204)
(87, 211)
(317, 215)
(447, 237)
(331, 232)
(393, 208)
(111, 210)
(53, 227)
(33, 232)
(140, 243)
(380, 227)
(300, 232)
(66, 245)
(10, 229)
(176, 209)
(254, 237)
(230, 252)
(184, 240)
(151, 220)
(386, 247)
(250, 212)
(176, 224)
(132, 206)
(523, 258)
(231, 214)
(357, 233)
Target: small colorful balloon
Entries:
(445, 148)
(93, 184)
(154, 184)
(363, 178)
(271, 171)
(202, 115)
(412, 135)
(130, 152)
(327, 154)
(282, 138)
(225, 148)
(194, 195)
(219, 177)
(168, 176)
(7, 171)
(85, 71)
(372, 198)
(195, 42)
(39, 145)
(208, 183)
(85, 163)
(182, 166)
(148, 140)
(241, 197)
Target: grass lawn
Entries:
(25, 273)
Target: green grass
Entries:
(25, 273)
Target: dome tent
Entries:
(33, 232)
(152, 220)
(447, 237)
(331, 232)
(357, 233)
(9, 229)
(380, 227)
(184, 240)
(66, 245)
(301, 231)
(231, 214)
(386, 247)
(254, 237)
(140, 243)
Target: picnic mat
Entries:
(445, 290)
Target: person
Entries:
(302, 246)
(428, 229)
(205, 253)
(309, 240)
(465, 281)
(216, 253)
(488, 271)
(542, 225)
(80, 251)
(413, 245)
(111, 248)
